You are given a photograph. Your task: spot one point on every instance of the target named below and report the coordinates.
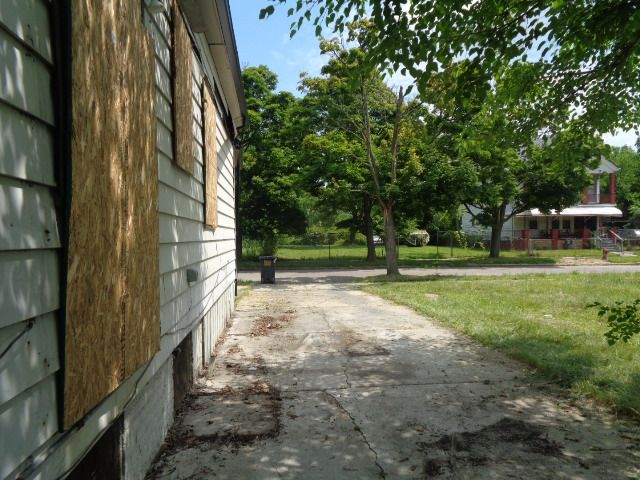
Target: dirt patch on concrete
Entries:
(248, 366)
(265, 324)
(233, 350)
(507, 442)
(231, 417)
(582, 261)
(357, 346)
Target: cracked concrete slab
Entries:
(355, 387)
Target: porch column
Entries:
(586, 236)
(585, 196)
(555, 236)
(526, 235)
(612, 187)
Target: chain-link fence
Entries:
(335, 245)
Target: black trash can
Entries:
(268, 269)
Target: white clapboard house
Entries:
(118, 172)
(588, 224)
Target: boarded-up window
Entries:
(112, 305)
(183, 149)
(211, 162)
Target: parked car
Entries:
(629, 233)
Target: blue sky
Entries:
(267, 42)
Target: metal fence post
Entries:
(451, 243)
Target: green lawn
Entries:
(625, 259)
(539, 319)
(301, 257)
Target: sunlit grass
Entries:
(541, 320)
(301, 257)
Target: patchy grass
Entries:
(624, 259)
(244, 288)
(538, 319)
(303, 257)
(295, 257)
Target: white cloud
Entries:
(620, 138)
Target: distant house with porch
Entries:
(580, 226)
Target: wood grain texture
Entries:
(95, 285)
(141, 335)
(113, 222)
(182, 103)
(211, 161)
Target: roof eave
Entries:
(213, 19)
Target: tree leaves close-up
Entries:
(588, 51)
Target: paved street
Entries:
(323, 381)
(332, 276)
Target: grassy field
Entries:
(300, 257)
(538, 319)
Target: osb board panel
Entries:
(93, 363)
(182, 102)
(141, 331)
(211, 162)
(113, 214)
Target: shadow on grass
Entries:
(407, 278)
(360, 263)
(558, 353)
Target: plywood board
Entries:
(141, 333)
(114, 221)
(182, 103)
(95, 286)
(211, 162)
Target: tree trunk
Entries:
(368, 228)
(352, 235)
(496, 230)
(390, 240)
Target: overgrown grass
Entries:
(302, 257)
(539, 319)
(624, 259)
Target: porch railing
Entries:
(598, 198)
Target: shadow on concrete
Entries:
(367, 389)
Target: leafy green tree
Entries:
(496, 128)
(628, 180)
(512, 172)
(589, 51)
(398, 162)
(269, 186)
(337, 173)
(364, 108)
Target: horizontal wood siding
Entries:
(184, 242)
(470, 227)
(204, 305)
(29, 235)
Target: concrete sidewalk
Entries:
(324, 381)
(346, 275)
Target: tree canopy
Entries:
(269, 189)
(515, 168)
(588, 51)
(628, 181)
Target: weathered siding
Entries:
(184, 242)
(31, 444)
(29, 234)
(473, 228)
